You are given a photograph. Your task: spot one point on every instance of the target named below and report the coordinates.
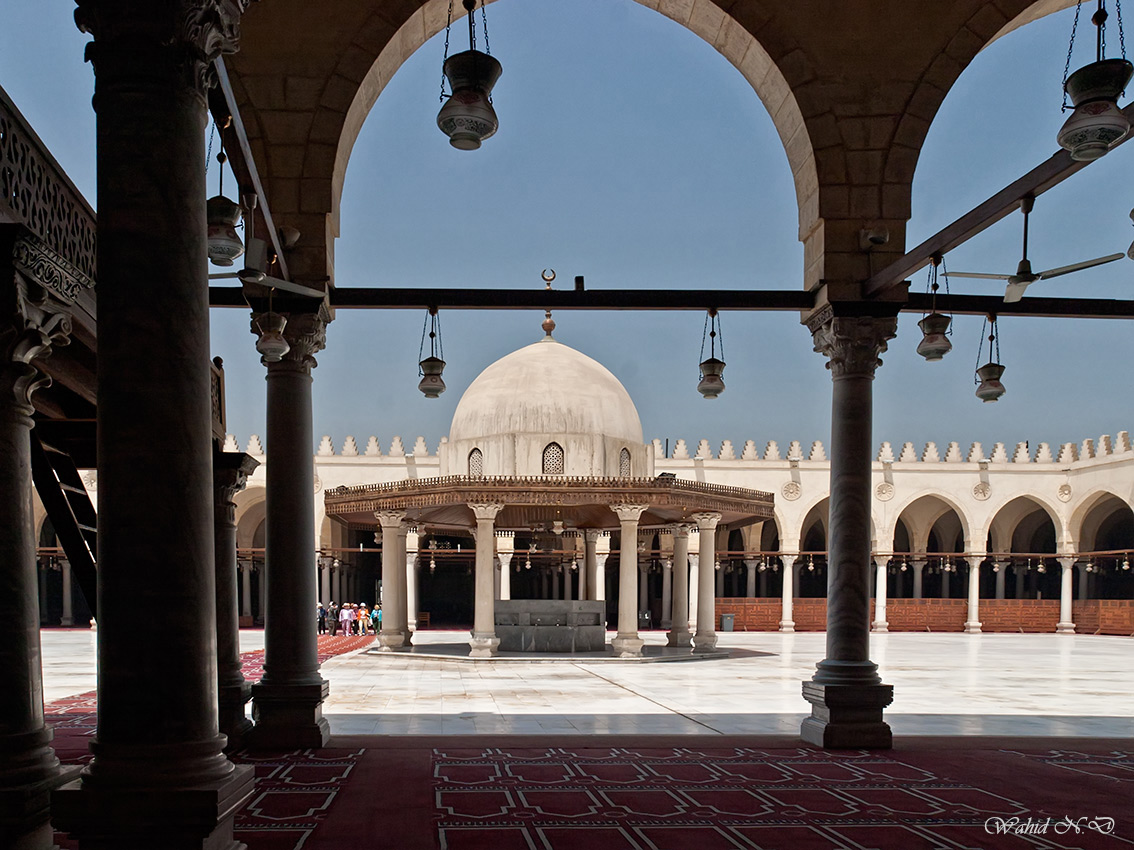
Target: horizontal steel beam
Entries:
(768, 300)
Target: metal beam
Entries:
(1037, 181)
(768, 300)
(222, 103)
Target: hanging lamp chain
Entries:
(209, 153)
(470, 8)
(484, 23)
(1070, 50)
(448, 25)
(1121, 34)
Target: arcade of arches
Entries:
(852, 88)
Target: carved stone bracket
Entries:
(852, 343)
(38, 323)
(186, 38)
(230, 476)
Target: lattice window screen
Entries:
(624, 463)
(553, 459)
(476, 464)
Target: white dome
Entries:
(543, 393)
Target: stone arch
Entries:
(306, 127)
(933, 505)
(1011, 519)
(1092, 521)
(251, 509)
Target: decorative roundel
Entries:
(884, 491)
(318, 483)
(981, 491)
(791, 491)
(1064, 492)
(90, 481)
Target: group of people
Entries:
(351, 618)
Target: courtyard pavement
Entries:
(944, 684)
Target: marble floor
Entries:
(944, 684)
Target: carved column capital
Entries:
(852, 344)
(629, 513)
(37, 323)
(178, 39)
(306, 334)
(707, 520)
(486, 510)
(390, 520)
(230, 476)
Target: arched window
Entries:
(476, 464)
(553, 459)
(624, 463)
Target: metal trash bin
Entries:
(727, 621)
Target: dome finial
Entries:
(548, 325)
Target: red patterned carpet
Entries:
(671, 793)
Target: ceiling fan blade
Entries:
(1074, 267)
(1015, 291)
(980, 275)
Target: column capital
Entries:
(231, 471)
(305, 332)
(706, 520)
(390, 520)
(37, 323)
(851, 343)
(974, 561)
(486, 510)
(629, 513)
(182, 41)
(679, 531)
(591, 535)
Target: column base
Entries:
(880, 627)
(627, 645)
(25, 812)
(407, 637)
(847, 716)
(389, 641)
(234, 722)
(144, 817)
(787, 626)
(1065, 628)
(679, 638)
(666, 624)
(972, 627)
(289, 717)
(483, 646)
(704, 642)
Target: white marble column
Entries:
(392, 634)
(1066, 624)
(1001, 573)
(787, 593)
(679, 634)
(880, 570)
(846, 693)
(584, 578)
(972, 624)
(1084, 583)
(600, 575)
(68, 615)
(918, 567)
(325, 581)
(413, 568)
(595, 583)
(505, 574)
(705, 638)
(752, 566)
(694, 590)
(626, 643)
(643, 588)
(667, 594)
(246, 589)
(484, 642)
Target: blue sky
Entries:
(632, 153)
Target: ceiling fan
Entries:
(1024, 275)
